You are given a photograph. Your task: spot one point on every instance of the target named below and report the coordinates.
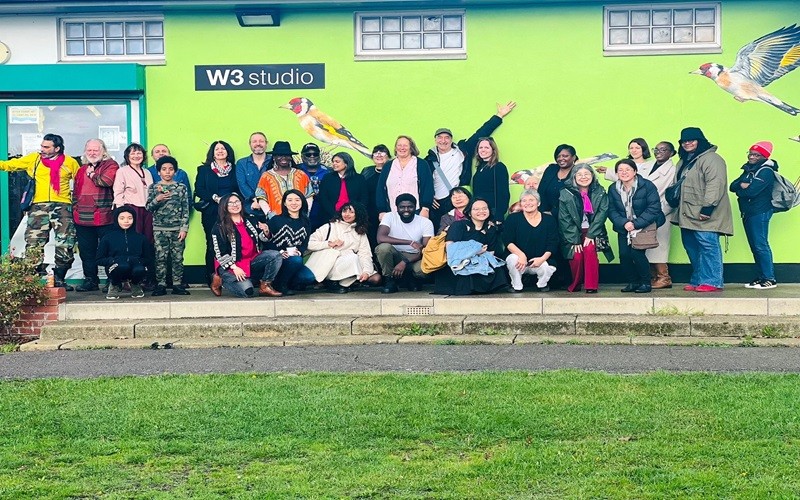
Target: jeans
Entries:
(264, 268)
(293, 274)
(756, 227)
(705, 255)
(634, 262)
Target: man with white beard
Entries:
(93, 195)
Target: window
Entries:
(131, 38)
(410, 35)
(661, 29)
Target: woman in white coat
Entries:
(661, 172)
(340, 250)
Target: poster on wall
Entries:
(23, 115)
(31, 142)
(110, 135)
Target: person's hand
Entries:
(502, 111)
(745, 185)
(381, 215)
(601, 169)
(255, 205)
(424, 212)
(629, 226)
(588, 241)
(704, 217)
(264, 228)
(483, 249)
(336, 243)
(536, 262)
(399, 269)
(577, 248)
(182, 235)
(164, 196)
(416, 245)
(285, 254)
(522, 262)
(363, 277)
(435, 204)
(239, 273)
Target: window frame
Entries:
(118, 18)
(360, 54)
(663, 48)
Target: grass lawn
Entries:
(483, 435)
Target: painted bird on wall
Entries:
(323, 127)
(758, 64)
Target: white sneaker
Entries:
(754, 283)
(766, 285)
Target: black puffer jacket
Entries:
(646, 206)
(757, 197)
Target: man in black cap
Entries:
(315, 170)
(452, 162)
(281, 176)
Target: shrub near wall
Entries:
(25, 304)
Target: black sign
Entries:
(260, 77)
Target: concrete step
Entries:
(493, 329)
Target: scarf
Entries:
(587, 203)
(459, 215)
(221, 171)
(627, 197)
(54, 165)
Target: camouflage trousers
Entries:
(169, 251)
(43, 217)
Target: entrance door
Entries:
(77, 122)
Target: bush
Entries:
(20, 285)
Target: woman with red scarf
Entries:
(51, 206)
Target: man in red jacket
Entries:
(93, 195)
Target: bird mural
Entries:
(758, 64)
(795, 138)
(324, 127)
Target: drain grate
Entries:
(418, 310)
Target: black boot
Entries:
(389, 286)
(88, 285)
(60, 273)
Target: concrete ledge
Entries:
(783, 306)
(312, 326)
(632, 325)
(88, 330)
(457, 339)
(409, 325)
(399, 306)
(326, 307)
(183, 328)
(583, 303)
(495, 304)
(699, 341)
(230, 308)
(743, 326)
(348, 340)
(207, 343)
(572, 339)
(693, 305)
(45, 345)
(520, 325)
(117, 310)
(114, 343)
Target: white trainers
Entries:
(765, 285)
(754, 283)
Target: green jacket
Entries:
(705, 186)
(570, 218)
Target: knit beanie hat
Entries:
(764, 148)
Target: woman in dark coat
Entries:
(343, 185)
(634, 205)
(490, 181)
(216, 178)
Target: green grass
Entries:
(483, 435)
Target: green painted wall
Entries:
(548, 59)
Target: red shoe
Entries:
(707, 288)
(689, 288)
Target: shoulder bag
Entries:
(434, 255)
(26, 200)
(645, 238)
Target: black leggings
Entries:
(634, 262)
(126, 271)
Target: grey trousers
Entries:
(263, 268)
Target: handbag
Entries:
(26, 200)
(434, 255)
(645, 238)
(673, 194)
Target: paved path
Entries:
(397, 358)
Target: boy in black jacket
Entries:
(123, 253)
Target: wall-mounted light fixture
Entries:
(265, 17)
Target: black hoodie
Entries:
(123, 245)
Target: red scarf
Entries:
(55, 171)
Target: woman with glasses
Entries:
(460, 197)
(661, 172)
(371, 174)
(471, 247)
(237, 238)
(340, 251)
(490, 180)
(703, 210)
(343, 185)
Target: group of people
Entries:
(274, 226)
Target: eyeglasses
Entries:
(379, 154)
(660, 150)
(234, 202)
(311, 155)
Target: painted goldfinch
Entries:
(324, 127)
(758, 64)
